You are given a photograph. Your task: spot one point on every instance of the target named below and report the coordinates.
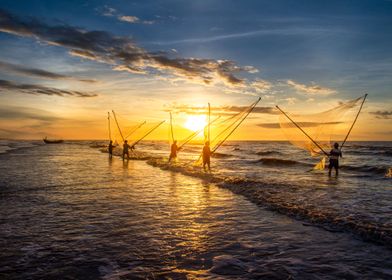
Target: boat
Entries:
(57, 141)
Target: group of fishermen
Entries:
(206, 155)
(126, 148)
(334, 155)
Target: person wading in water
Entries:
(334, 155)
(126, 148)
(206, 156)
(110, 148)
(173, 151)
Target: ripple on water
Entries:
(112, 220)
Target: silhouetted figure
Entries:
(126, 148)
(334, 155)
(206, 156)
(110, 149)
(173, 151)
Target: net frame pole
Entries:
(356, 117)
(209, 122)
(239, 123)
(134, 130)
(118, 126)
(303, 131)
(194, 134)
(171, 127)
(110, 133)
(145, 135)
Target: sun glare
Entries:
(196, 123)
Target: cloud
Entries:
(108, 11)
(386, 115)
(111, 12)
(261, 85)
(15, 112)
(258, 110)
(312, 89)
(40, 90)
(134, 19)
(301, 124)
(220, 110)
(130, 19)
(253, 33)
(123, 53)
(19, 69)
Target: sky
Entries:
(65, 64)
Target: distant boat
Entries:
(57, 141)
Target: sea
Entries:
(68, 211)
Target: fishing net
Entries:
(316, 133)
(127, 130)
(220, 130)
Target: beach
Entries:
(69, 212)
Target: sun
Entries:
(196, 123)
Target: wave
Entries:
(267, 153)
(281, 162)
(221, 155)
(378, 170)
(385, 153)
(369, 147)
(366, 169)
(284, 198)
(364, 227)
(11, 146)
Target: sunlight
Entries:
(196, 122)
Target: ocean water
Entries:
(279, 176)
(68, 212)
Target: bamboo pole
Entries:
(356, 117)
(145, 135)
(136, 128)
(171, 127)
(194, 134)
(303, 131)
(110, 134)
(209, 121)
(115, 118)
(239, 123)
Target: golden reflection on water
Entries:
(192, 206)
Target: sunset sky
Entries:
(65, 64)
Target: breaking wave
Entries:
(7, 146)
(220, 155)
(366, 169)
(268, 153)
(277, 197)
(280, 162)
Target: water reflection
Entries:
(129, 220)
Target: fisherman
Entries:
(110, 149)
(173, 150)
(334, 155)
(206, 155)
(126, 148)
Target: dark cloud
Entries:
(382, 114)
(301, 124)
(222, 110)
(15, 112)
(260, 110)
(19, 69)
(123, 53)
(38, 89)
